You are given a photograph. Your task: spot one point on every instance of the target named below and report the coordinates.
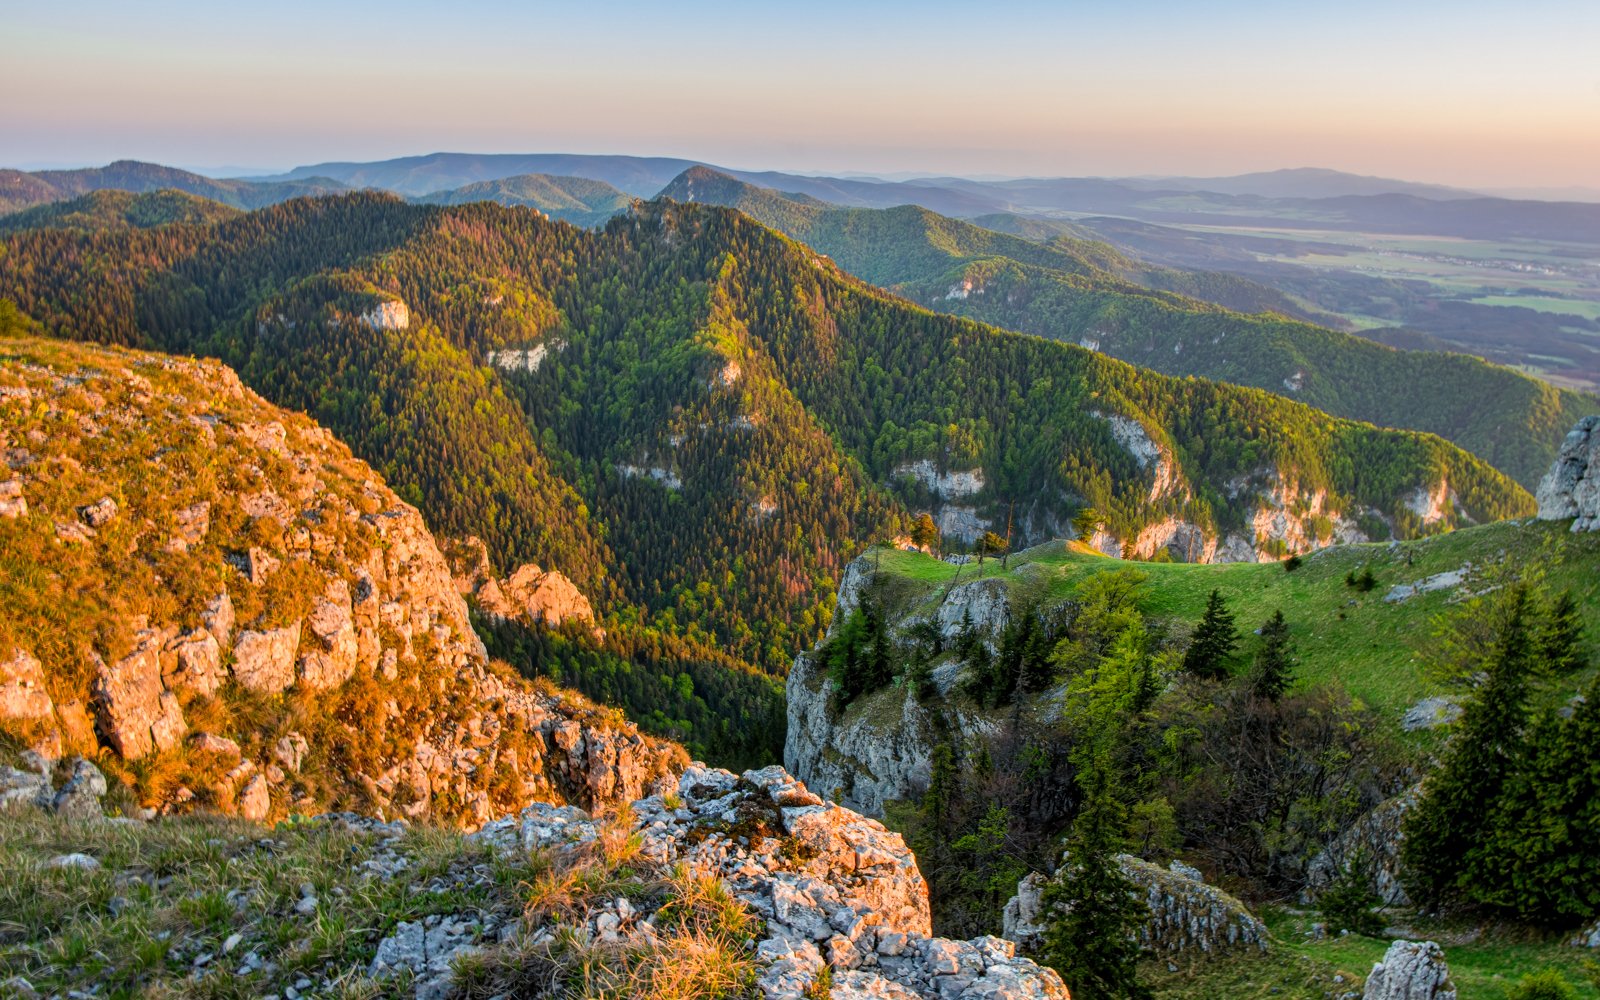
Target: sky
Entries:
(1469, 93)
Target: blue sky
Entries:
(1469, 93)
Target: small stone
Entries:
(98, 513)
(75, 860)
(232, 942)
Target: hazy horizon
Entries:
(1470, 94)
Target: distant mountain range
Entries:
(1300, 198)
(19, 190)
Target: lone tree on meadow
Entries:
(1274, 665)
(1215, 639)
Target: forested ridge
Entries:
(1086, 291)
(716, 421)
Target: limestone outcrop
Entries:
(286, 573)
(390, 315)
(1372, 844)
(881, 747)
(834, 889)
(529, 595)
(1187, 914)
(1410, 970)
(1571, 489)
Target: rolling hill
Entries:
(19, 190)
(563, 393)
(577, 200)
(116, 209)
(1085, 292)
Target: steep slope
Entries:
(577, 200)
(1085, 292)
(109, 209)
(20, 190)
(1373, 643)
(687, 366)
(215, 599)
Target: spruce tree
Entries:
(1095, 911)
(1543, 842)
(1448, 824)
(1274, 665)
(1560, 647)
(1215, 639)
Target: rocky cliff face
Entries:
(1571, 489)
(1186, 913)
(220, 592)
(881, 746)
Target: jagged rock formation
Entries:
(232, 562)
(835, 890)
(1572, 486)
(881, 748)
(530, 595)
(1410, 970)
(1186, 913)
(1373, 843)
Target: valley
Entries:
(515, 509)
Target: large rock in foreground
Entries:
(1410, 970)
(835, 889)
(1572, 486)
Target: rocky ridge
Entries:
(834, 889)
(864, 758)
(530, 595)
(254, 616)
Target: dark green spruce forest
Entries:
(718, 420)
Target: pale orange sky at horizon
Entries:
(1467, 94)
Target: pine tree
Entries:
(1560, 646)
(1543, 843)
(1447, 826)
(1274, 665)
(1095, 910)
(942, 781)
(1215, 639)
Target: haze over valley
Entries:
(899, 502)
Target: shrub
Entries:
(1348, 904)
(1546, 984)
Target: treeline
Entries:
(716, 707)
(1178, 738)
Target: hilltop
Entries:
(577, 200)
(19, 190)
(116, 209)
